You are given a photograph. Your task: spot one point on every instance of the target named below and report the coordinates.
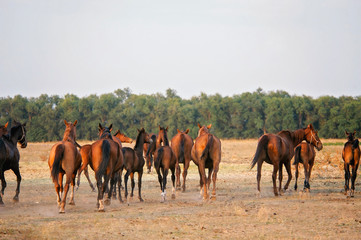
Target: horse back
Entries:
(130, 158)
(279, 148)
(165, 157)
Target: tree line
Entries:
(245, 115)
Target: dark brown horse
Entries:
(134, 162)
(206, 153)
(148, 150)
(182, 145)
(106, 160)
(9, 155)
(65, 158)
(351, 157)
(278, 149)
(164, 160)
(304, 154)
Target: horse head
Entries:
(104, 132)
(70, 131)
(185, 132)
(203, 129)
(162, 136)
(311, 136)
(350, 136)
(123, 137)
(19, 133)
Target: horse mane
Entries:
(166, 142)
(106, 134)
(116, 133)
(138, 138)
(69, 134)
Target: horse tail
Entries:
(105, 160)
(159, 157)
(206, 150)
(262, 146)
(181, 154)
(55, 169)
(297, 155)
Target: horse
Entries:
(206, 153)
(181, 145)
(134, 162)
(106, 160)
(10, 156)
(65, 158)
(305, 154)
(122, 138)
(278, 150)
(148, 149)
(351, 156)
(164, 160)
(85, 152)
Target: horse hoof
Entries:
(121, 201)
(101, 210)
(71, 203)
(213, 197)
(141, 200)
(1, 203)
(173, 196)
(61, 210)
(16, 199)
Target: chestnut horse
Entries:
(164, 159)
(106, 160)
(305, 154)
(182, 145)
(278, 149)
(9, 155)
(148, 150)
(206, 153)
(351, 156)
(65, 158)
(134, 162)
(85, 152)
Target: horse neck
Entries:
(298, 136)
(13, 136)
(69, 136)
(139, 143)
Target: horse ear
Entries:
(346, 132)
(187, 131)
(24, 124)
(138, 130)
(310, 126)
(178, 130)
(354, 132)
(209, 126)
(75, 122)
(100, 126)
(166, 128)
(159, 127)
(199, 125)
(6, 124)
(66, 123)
(111, 127)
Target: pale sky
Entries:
(310, 47)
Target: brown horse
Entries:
(85, 152)
(106, 160)
(134, 162)
(164, 159)
(206, 153)
(148, 150)
(351, 156)
(305, 154)
(182, 145)
(65, 158)
(9, 155)
(278, 149)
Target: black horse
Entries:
(9, 155)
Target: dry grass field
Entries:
(237, 213)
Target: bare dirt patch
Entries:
(238, 212)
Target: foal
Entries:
(304, 154)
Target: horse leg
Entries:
(86, 173)
(306, 186)
(126, 176)
(140, 174)
(296, 173)
(103, 189)
(259, 170)
(66, 189)
(72, 189)
(347, 176)
(132, 184)
(202, 172)
(280, 177)
(3, 182)
(60, 179)
(289, 173)
(112, 182)
(1, 177)
(178, 170)
(119, 186)
(114, 188)
(164, 191)
(214, 178)
(160, 179)
(274, 177)
(354, 175)
(210, 170)
(185, 171)
(173, 182)
(310, 165)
